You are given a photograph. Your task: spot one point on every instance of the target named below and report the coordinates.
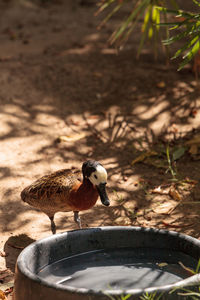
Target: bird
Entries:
(66, 190)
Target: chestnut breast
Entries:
(83, 196)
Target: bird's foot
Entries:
(53, 225)
(77, 219)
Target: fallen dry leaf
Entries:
(171, 225)
(161, 84)
(93, 117)
(163, 264)
(3, 276)
(160, 190)
(175, 194)
(2, 295)
(143, 156)
(190, 271)
(70, 138)
(193, 149)
(75, 122)
(5, 273)
(176, 225)
(7, 287)
(164, 208)
(190, 181)
(9, 290)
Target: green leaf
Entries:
(126, 297)
(189, 31)
(198, 267)
(127, 34)
(155, 15)
(174, 38)
(185, 47)
(196, 2)
(193, 51)
(187, 58)
(178, 153)
(144, 35)
(131, 17)
(115, 9)
(147, 17)
(178, 12)
(104, 5)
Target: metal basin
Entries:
(98, 262)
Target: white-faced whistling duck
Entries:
(64, 190)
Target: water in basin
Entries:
(121, 268)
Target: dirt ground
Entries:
(66, 96)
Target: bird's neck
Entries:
(88, 187)
(87, 182)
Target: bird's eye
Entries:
(95, 176)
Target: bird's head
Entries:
(97, 175)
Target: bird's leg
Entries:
(77, 219)
(53, 225)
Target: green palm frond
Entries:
(141, 9)
(189, 25)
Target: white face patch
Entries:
(98, 176)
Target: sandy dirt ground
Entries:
(59, 77)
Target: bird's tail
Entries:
(24, 195)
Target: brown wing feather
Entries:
(50, 192)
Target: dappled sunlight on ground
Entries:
(68, 98)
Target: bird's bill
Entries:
(101, 188)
